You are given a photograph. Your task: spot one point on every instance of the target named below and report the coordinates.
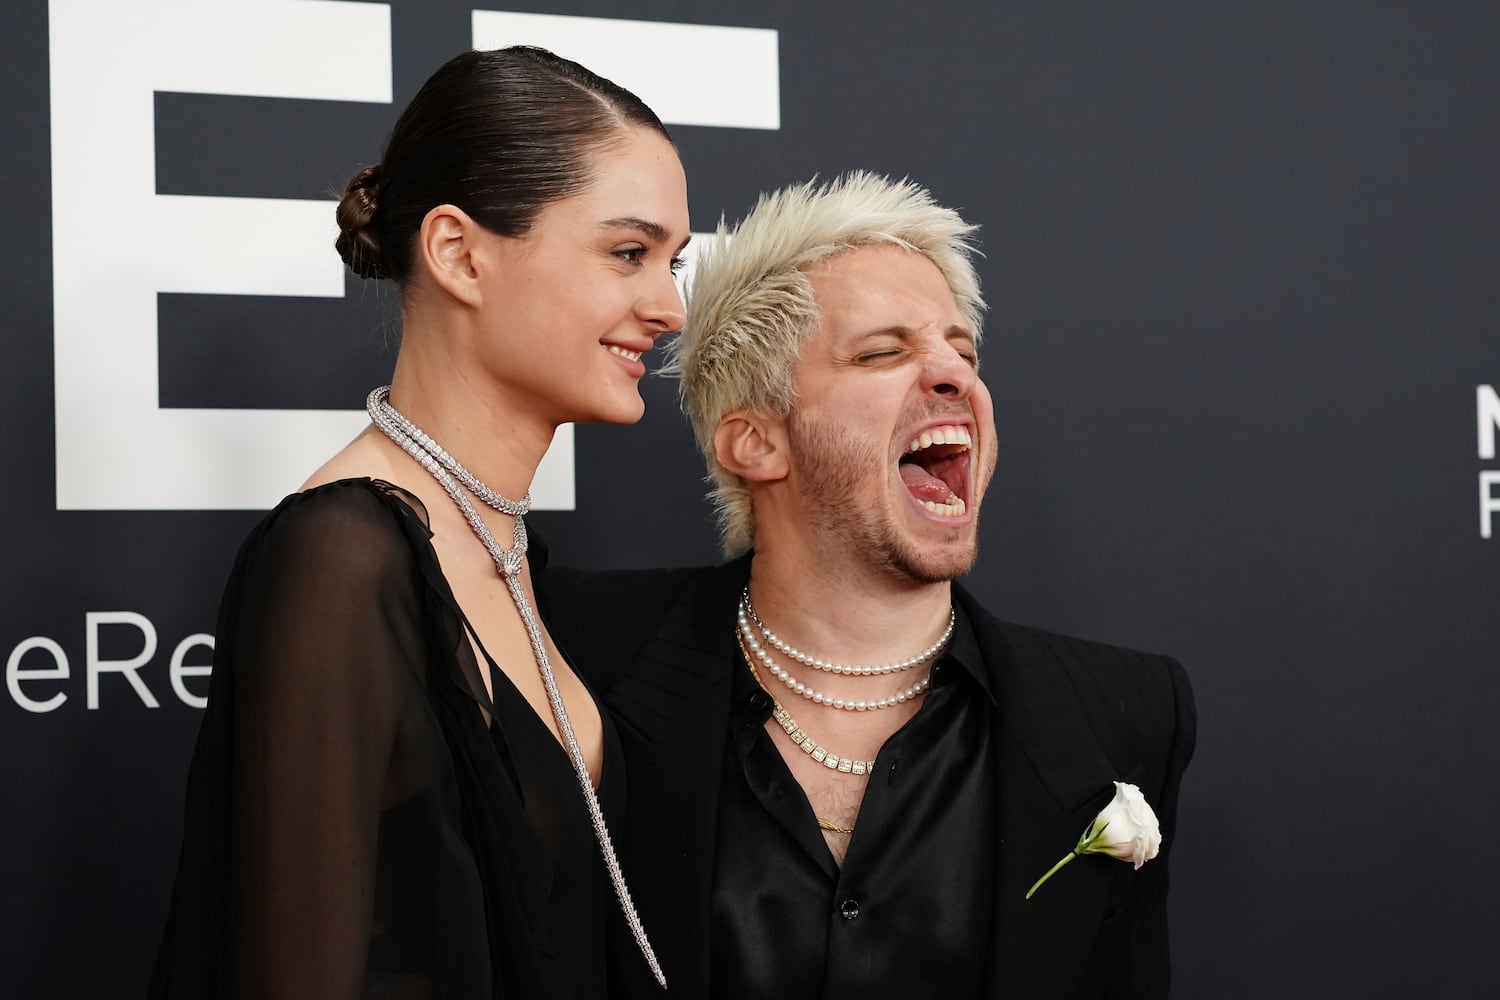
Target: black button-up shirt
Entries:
(910, 911)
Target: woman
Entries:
(397, 789)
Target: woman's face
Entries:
(571, 306)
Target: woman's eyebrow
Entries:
(655, 230)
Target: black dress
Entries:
(353, 828)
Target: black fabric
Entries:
(913, 900)
(1072, 717)
(353, 826)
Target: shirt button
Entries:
(849, 909)
(759, 701)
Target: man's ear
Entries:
(752, 445)
(447, 245)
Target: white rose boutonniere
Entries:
(1126, 829)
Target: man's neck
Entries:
(855, 616)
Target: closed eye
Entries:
(965, 345)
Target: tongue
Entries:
(922, 484)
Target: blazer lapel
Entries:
(673, 715)
(1053, 777)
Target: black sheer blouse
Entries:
(353, 827)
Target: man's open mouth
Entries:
(935, 469)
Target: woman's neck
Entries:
(467, 414)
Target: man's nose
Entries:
(948, 373)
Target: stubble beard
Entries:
(832, 464)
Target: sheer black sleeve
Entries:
(354, 826)
(313, 730)
(325, 633)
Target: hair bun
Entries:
(359, 241)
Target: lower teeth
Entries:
(954, 507)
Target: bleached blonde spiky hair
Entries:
(751, 303)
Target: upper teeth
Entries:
(629, 355)
(947, 434)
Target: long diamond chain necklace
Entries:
(509, 562)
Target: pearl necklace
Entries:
(758, 652)
(748, 610)
(817, 697)
(509, 563)
(804, 742)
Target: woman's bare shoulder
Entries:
(369, 456)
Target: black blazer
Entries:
(659, 648)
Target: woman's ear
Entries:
(447, 245)
(752, 445)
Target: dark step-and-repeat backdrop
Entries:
(1243, 262)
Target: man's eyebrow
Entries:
(655, 230)
(898, 331)
(905, 333)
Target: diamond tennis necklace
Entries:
(804, 742)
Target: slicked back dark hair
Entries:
(500, 134)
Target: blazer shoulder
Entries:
(602, 618)
(1132, 699)
(639, 590)
(1037, 645)
(1090, 654)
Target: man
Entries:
(844, 774)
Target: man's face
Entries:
(893, 434)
